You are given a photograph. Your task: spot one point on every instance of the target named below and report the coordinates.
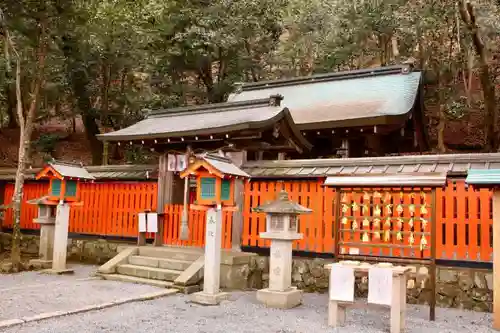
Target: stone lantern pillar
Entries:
(282, 217)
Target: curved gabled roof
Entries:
(354, 98)
(209, 119)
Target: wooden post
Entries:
(239, 200)
(496, 259)
(165, 183)
(105, 153)
(184, 234)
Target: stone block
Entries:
(208, 299)
(280, 299)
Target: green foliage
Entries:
(46, 142)
(109, 60)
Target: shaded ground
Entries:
(244, 315)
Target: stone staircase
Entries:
(168, 267)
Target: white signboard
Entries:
(152, 222)
(342, 283)
(181, 162)
(142, 222)
(171, 162)
(353, 251)
(380, 285)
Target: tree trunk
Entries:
(491, 118)
(10, 92)
(26, 129)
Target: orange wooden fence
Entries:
(463, 221)
(109, 209)
(173, 214)
(463, 218)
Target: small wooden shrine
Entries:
(215, 178)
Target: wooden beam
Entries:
(165, 189)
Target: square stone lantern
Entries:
(54, 212)
(282, 229)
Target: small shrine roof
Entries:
(70, 170)
(224, 165)
(282, 205)
(483, 177)
(364, 97)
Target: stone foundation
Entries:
(92, 251)
(461, 288)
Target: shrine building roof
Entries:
(366, 97)
(211, 119)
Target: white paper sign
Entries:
(342, 283)
(353, 251)
(380, 285)
(171, 162)
(181, 161)
(142, 222)
(152, 222)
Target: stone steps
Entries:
(172, 264)
(185, 254)
(148, 272)
(138, 280)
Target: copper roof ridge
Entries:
(213, 107)
(324, 77)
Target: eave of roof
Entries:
(452, 165)
(220, 118)
(105, 172)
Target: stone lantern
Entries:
(281, 228)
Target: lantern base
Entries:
(40, 263)
(204, 298)
(280, 299)
(52, 271)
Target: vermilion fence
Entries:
(463, 218)
(463, 215)
(109, 209)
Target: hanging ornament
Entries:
(400, 209)
(411, 208)
(376, 223)
(412, 195)
(411, 240)
(387, 197)
(423, 243)
(366, 238)
(354, 207)
(377, 211)
(424, 223)
(387, 222)
(387, 236)
(376, 235)
(410, 223)
(401, 195)
(366, 222)
(364, 209)
(344, 198)
(422, 195)
(423, 210)
(389, 209)
(354, 225)
(399, 236)
(345, 208)
(377, 195)
(400, 223)
(366, 196)
(344, 220)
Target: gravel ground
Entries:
(30, 293)
(8, 281)
(244, 315)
